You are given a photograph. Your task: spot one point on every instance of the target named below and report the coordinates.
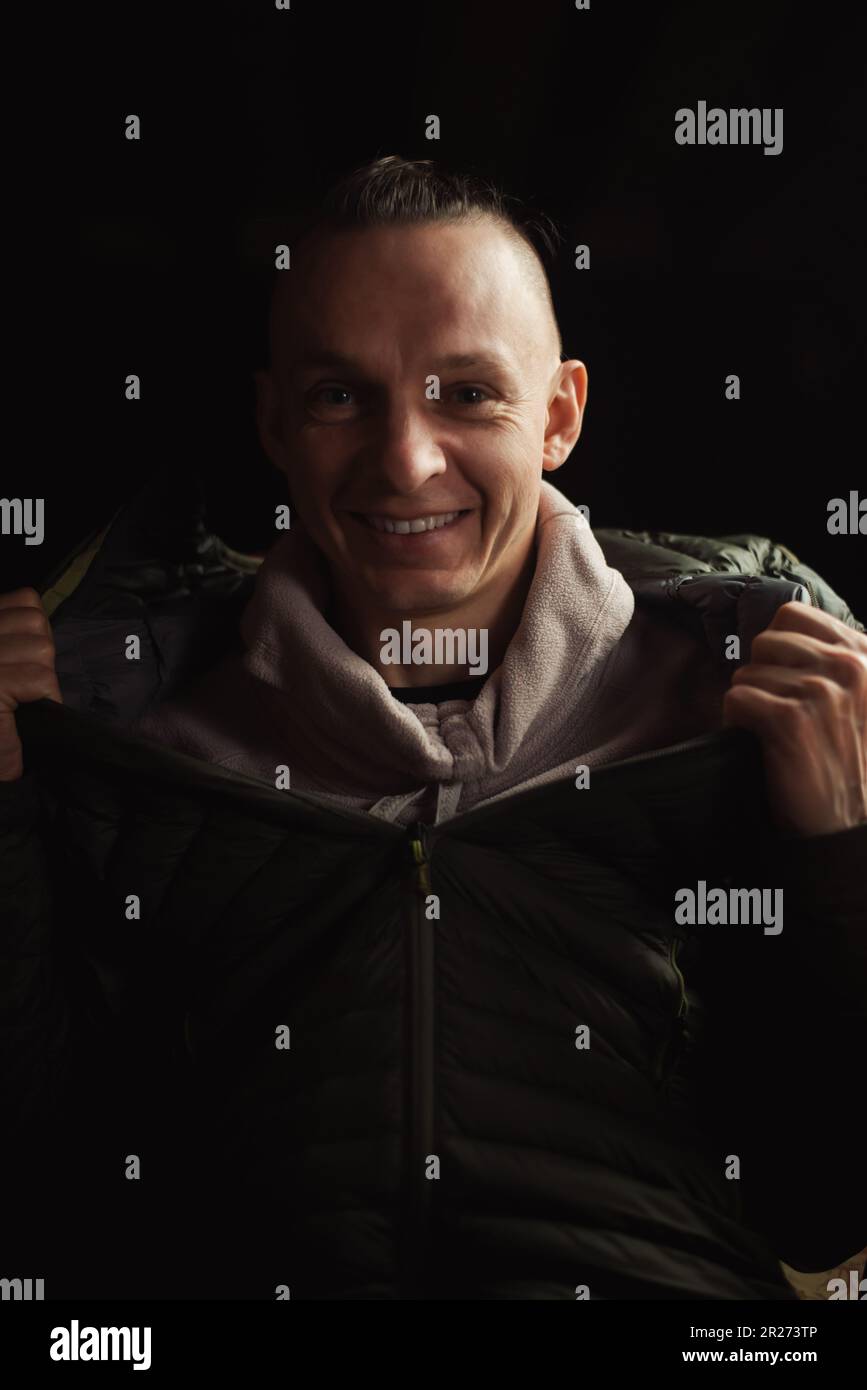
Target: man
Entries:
(477, 1057)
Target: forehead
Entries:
(444, 287)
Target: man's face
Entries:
(370, 443)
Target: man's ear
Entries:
(565, 414)
(268, 419)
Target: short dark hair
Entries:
(392, 189)
(397, 191)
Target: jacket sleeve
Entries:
(36, 1025)
(791, 1070)
(802, 1060)
(54, 1083)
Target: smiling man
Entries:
(414, 453)
(417, 398)
(504, 1067)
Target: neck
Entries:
(472, 641)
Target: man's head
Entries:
(416, 373)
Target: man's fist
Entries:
(804, 695)
(26, 669)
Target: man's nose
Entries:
(406, 451)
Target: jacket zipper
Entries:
(420, 1137)
(683, 1008)
(670, 1049)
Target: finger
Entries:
(845, 668)
(797, 686)
(814, 622)
(20, 598)
(790, 714)
(779, 679)
(789, 649)
(23, 620)
(768, 714)
(25, 682)
(32, 647)
(801, 649)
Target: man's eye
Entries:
(332, 395)
(477, 391)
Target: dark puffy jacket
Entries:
(431, 1130)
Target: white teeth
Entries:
(417, 524)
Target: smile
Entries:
(410, 525)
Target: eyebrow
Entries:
(327, 358)
(472, 359)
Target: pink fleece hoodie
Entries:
(585, 679)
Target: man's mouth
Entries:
(405, 526)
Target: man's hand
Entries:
(26, 669)
(804, 694)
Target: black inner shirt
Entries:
(436, 694)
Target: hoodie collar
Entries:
(354, 734)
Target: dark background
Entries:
(704, 260)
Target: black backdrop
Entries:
(704, 261)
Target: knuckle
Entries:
(815, 682)
(790, 715)
(42, 651)
(850, 666)
(820, 687)
(35, 620)
(737, 688)
(34, 673)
